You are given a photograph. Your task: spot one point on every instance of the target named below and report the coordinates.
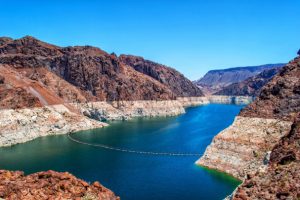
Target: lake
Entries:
(137, 176)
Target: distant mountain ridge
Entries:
(215, 80)
(251, 86)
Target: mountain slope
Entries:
(262, 145)
(282, 178)
(82, 74)
(242, 147)
(215, 80)
(280, 97)
(174, 80)
(251, 86)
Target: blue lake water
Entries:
(134, 176)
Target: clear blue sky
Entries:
(192, 36)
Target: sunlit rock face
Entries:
(261, 147)
(22, 125)
(242, 147)
(281, 180)
(50, 185)
(175, 81)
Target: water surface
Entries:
(134, 176)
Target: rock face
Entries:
(215, 80)
(22, 125)
(92, 74)
(281, 180)
(242, 147)
(250, 86)
(280, 98)
(174, 80)
(123, 110)
(50, 185)
(258, 127)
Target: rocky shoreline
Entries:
(22, 125)
(244, 146)
(261, 147)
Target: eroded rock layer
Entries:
(14, 185)
(281, 180)
(260, 133)
(174, 80)
(22, 125)
(280, 98)
(244, 146)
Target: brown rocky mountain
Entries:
(250, 86)
(280, 97)
(282, 178)
(53, 74)
(215, 80)
(174, 80)
(261, 147)
(49, 185)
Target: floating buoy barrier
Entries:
(132, 151)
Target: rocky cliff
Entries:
(250, 86)
(245, 146)
(50, 185)
(95, 73)
(175, 81)
(92, 73)
(215, 80)
(281, 179)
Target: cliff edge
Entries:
(246, 145)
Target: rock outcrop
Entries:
(215, 80)
(22, 125)
(250, 86)
(124, 110)
(15, 185)
(242, 147)
(175, 81)
(245, 146)
(280, 98)
(281, 180)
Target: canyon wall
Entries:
(244, 146)
(280, 180)
(261, 146)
